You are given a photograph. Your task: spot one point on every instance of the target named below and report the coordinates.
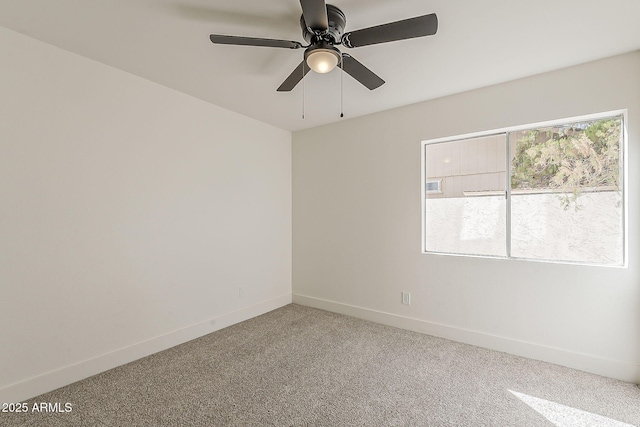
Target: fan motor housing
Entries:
(337, 22)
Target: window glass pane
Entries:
(466, 212)
(566, 193)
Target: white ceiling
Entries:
(479, 43)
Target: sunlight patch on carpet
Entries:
(566, 416)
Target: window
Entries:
(433, 186)
(550, 192)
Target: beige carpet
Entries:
(298, 366)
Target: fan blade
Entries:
(315, 14)
(253, 41)
(295, 77)
(361, 73)
(420, 26)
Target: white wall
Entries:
(541, 227)
(356, 229)
(130, 214)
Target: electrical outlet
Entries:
(406, 298)
(242, 292)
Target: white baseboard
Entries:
(52, 380)
(624, 371)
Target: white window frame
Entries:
(508, 130)
(433, 181)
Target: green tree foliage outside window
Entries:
(569, 159)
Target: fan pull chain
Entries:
(341, 87)
(303, 64)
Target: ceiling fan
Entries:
(323, 28)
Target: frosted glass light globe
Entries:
(322, 60)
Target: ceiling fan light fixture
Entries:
(322, 59)
(323, 28)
